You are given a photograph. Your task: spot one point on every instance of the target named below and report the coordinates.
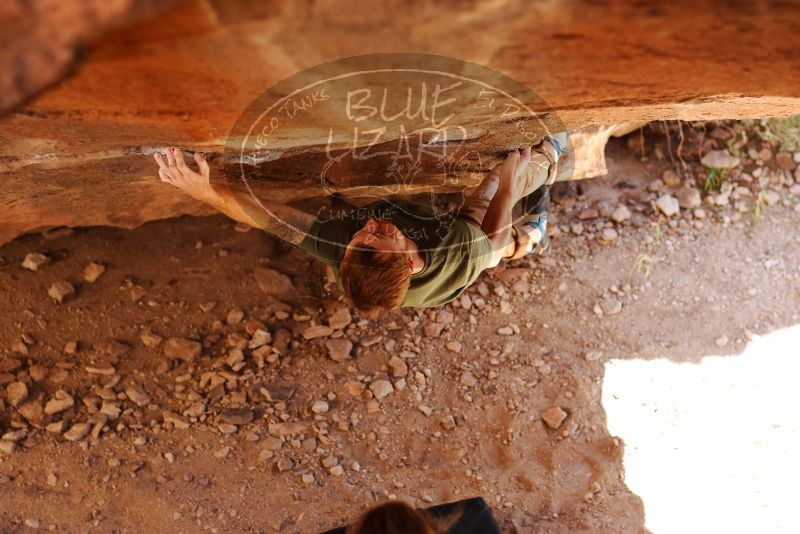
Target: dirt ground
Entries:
(285, 439)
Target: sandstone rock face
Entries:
(80, 152)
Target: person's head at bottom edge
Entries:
(395, 517)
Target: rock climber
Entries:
(391, 253)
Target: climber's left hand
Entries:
(174, 170)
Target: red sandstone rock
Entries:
(80, 153)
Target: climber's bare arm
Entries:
(285, 222)
(498, 218)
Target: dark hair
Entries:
(373, 280)
(393, 517)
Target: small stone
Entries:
(448, 422)
(593, 355)
(426, 410)
(554, 417)
(182, 349)
(113, 348)
(330, 461)
(723, 199)
(771, 197)
(272, 443)
(93, 271)
(668, 205)
(111, 410)
(611, 306)
(56, 427)
(237, 416)
(339, 349)
(34, 261)
(16, 436)
(453, 346)
(102, 370)
(32, 411)
(655, 186)
(235, 359)
(61, 291)
(288, 428)
(61, 401)
(337, 470)
(576, 228)
(38, 372)
(397, 366)
(340, 319)
(320, 406)
(177, 420)
(354, 388)
(671, 178)
(150, 340)
(137, 395)
(195, 410)
(52, 479)
(468, 379)
(235, 316)
(433, 329)
(689, 197)
(721, 341)
(381, 388)
(272, 282)
(17, 393)
(785, 161)
(226, 428)
(315, 331)
(621, 214)
(222, 453)
(260, 338)
(505, 331)
(371, 340)
(206, 307)
(77, 432)
(7, 447)
(284, 464)
(32, 523)
(609, 234)
(720, 159)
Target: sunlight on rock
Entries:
(714, 446)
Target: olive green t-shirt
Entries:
(456, 250)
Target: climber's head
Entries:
(376, 268)
(394, 517)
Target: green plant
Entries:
(657, 233)
(644, 264)
(760, 206)
(734, 142)
(714, 178)
(781, 131)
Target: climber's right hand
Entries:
(174, 170)
(512, 169)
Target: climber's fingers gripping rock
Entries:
(174, 170)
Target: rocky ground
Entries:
(193, 376)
